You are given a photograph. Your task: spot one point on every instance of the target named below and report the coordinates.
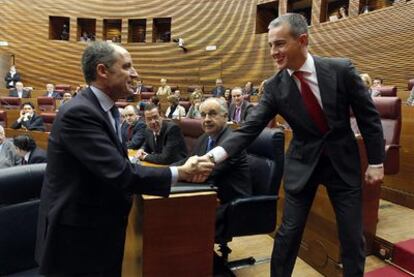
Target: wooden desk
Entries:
(171, 236)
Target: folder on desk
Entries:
(183, 187)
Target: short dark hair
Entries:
(380, 79)
(297, 23)
(150, 106)
(27, 103)
(97, 53)
(25, 143)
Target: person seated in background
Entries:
(342, 12)
(133, 128)
(28, 151)
(12, 77)
(164, 141)
(260, 90)
(377, 83)
(231, 177)
(28, 119)
(410, 100)
(8, 154)
(67, 96)
(19, 91)
(239, 108)
(175, 110)
(219, 89)
(50, 92)
(368, 84)
(139, 87)
(177, 94)
(227, 97)
(194, 110)
(248, 89)
(164, 89)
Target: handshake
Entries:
(196, 169)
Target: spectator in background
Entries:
(377, 82)
(368, 84)
(66, 97)
(410, 100)
(175, 110)
(164, 89)
(50, 92)
(19, 91)
(133, 128)
(12, 77)
(139, 87)
(227, 96)
(342, 12)
(177, 94)
(194, 110)
(164, 141)
(8, 154)
(27, 149)
(65, 33)
(261, 88)
(219, 89)
(248, 89)
(239, 108)
(28, 120)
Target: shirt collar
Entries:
(308, 66)
(105, 102)
(26, 157)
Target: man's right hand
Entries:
(141, 154)
(196, 169)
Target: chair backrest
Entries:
(192, 88)
(19, 204)
(3, 118)
(388, 91)
(185, 104)
(192, 130)
(266, 161)
(46, 104)
(48, 119)
(389, 109)
(63, 88)
(149, 88)
(146, 96)
(173, 88)
(8, 103)
(410, 84)
(122, 104)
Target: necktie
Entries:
(129, 132)
(210, 144)
(237, 115)
(117, 119)
(311, 103)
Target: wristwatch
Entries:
(211, 158)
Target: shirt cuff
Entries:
(376, 165)
(174, 175)
(219, 154)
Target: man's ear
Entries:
(101, 70)
(304, 39)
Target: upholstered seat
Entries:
(192, 130)
(46, 104)
(48, 119)
(9, 103)
(3, 118)
(19, 203)
(256, 214)
(388, 91)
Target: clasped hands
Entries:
(196, 169)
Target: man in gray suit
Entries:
(314, 95)
(8, 156)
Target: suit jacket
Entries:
(8, 78)
(8, 156)
(26, 93)
(86, 192)
(218, 91)
(244, 110)
(55, 94)
(37, 156)
(341, 88)
(34, 124)
(170, 146)
(231, 177)
(137, 136)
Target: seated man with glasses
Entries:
(231, 177)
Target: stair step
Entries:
(403, 254)
(388, 271)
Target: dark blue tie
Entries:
(210, 144)
(117, 117)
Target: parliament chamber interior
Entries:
(196, 48)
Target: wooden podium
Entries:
(171, 236)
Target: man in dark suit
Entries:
(19, 91)
(50, 92)
(315, 95)
(27, 149)
(164, 141)
(219, 89)
(239, 108)
(12, 77)
(28, 119)
(133, 128)
(232, 176)
(89, 180)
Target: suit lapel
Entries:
(327, 87)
